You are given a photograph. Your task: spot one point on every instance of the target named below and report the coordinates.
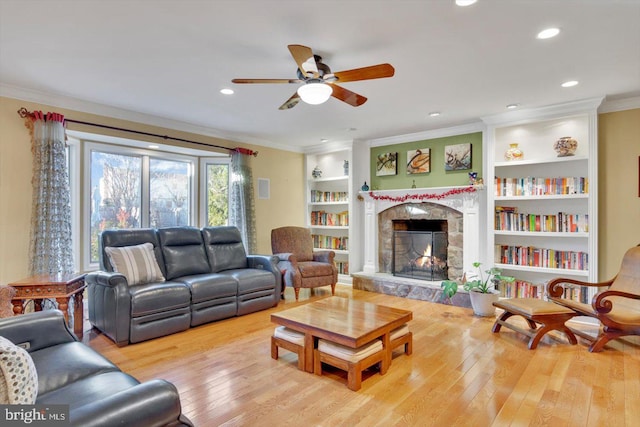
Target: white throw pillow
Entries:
(137, 263)
(18, 376)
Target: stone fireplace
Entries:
(455, 210)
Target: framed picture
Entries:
(387, 164)
(457, 157)
(418, 161)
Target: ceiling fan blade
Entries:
(303, 56)
(347, 96)
(266, 81)
(366, 73)
(291, 102)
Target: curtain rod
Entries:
(24, 113)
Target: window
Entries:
(128, 187)
(215, 185)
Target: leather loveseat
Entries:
(97, 392)
(206, 276)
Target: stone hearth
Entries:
(388, 284)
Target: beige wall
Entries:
(284, 169)
(618, 201)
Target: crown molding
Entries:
(542, 113)
(76, 104)
(613, 105)
(329, 147)
(430, 134)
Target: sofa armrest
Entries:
(37, 330)
(324, 256)
(153, 403)
(288, 257)
(109, 304)
(269, 263)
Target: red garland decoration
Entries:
(441, 196)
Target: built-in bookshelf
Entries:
(328, 199)
(542, 208)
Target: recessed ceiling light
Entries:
(226, 91)
(434, 114)
(570, 83)
(154, 147)
(512, 106)
(465, 2)
(324, 140)
(548, 33)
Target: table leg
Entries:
(308, 352)
(387, 353)
(63, 305)
(78, 314)
(17, 307)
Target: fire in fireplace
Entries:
(420, 249)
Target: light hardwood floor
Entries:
(460, 373)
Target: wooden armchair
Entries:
(300, 265)
(617, 307)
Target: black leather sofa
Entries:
(97, 392)
(208, 276)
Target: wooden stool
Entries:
(549, 315)
(352, 360)
(289, 340)
(400, 336)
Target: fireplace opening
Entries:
(420, 249)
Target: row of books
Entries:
(330, 242)
(508, 219)
(541, 257)
(329, 218)
(524, 289)
(329, 196)
(532, 186)
(343, 267)
(521, 289)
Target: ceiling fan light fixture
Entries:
(315, 93)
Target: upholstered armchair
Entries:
(616, 306)
(300, 265)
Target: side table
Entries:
(60, 288)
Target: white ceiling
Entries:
(169, 59)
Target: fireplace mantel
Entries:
(467, 203)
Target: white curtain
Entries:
(241, 204)
(51, 245)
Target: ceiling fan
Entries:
(319, 83)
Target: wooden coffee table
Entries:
(344, 321)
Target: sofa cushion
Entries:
(18, 376)
(252, 279)
(224, 248)
(73, 361)
(137, 263)
(158, 297)
(315, 269)
(210, 286)
(183, 251)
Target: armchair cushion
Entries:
(137, 263)
(314, 269)
(18, 376)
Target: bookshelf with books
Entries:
(542, 208)
(328, 200)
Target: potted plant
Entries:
(481, 289)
